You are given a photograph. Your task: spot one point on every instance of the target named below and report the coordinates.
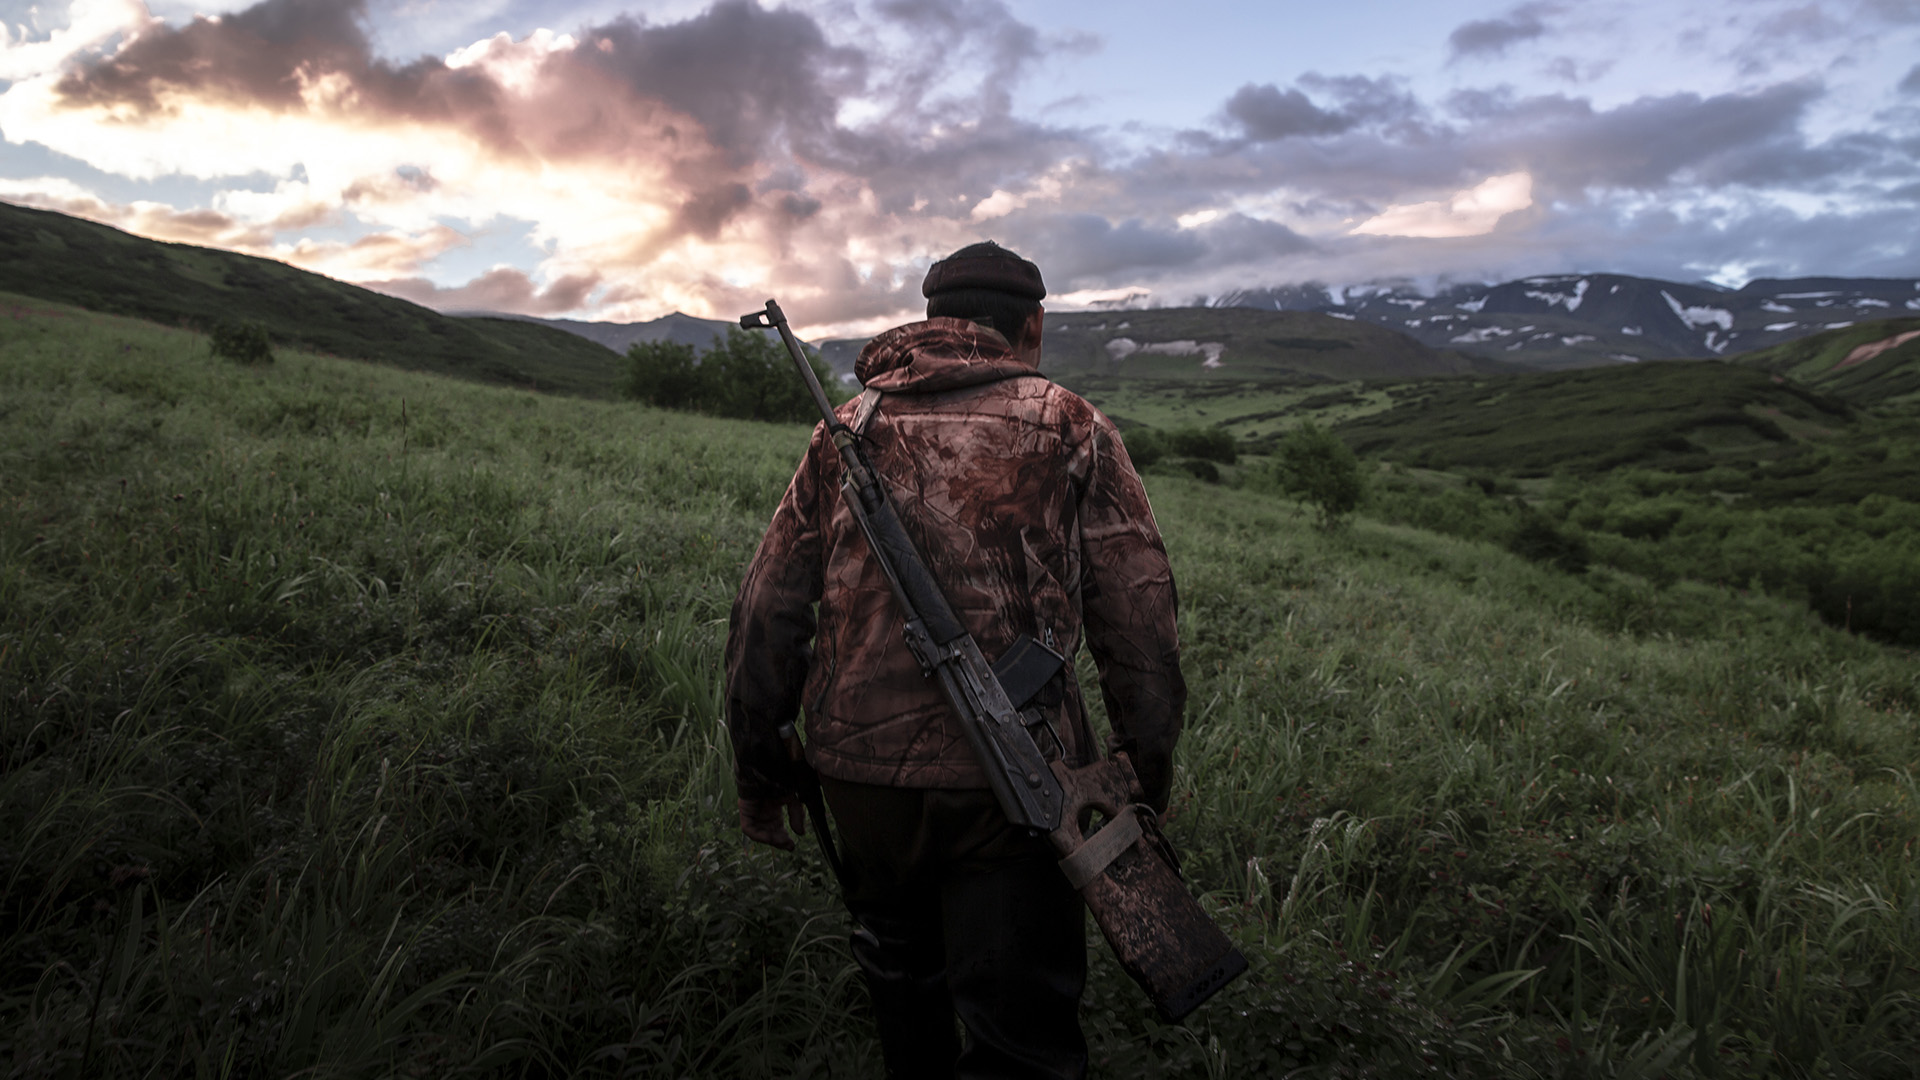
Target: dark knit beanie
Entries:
(985, 266)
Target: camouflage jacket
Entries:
(1023, 502)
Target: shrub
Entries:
(1147, 445)
(749, 376)
(662, 373)
(1315, 467)
(1539, 540)
(241, 342)
(1144, 446)
(1202, 469)
(1206, 444)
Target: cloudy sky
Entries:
(620, 159)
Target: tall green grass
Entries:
(361, 723)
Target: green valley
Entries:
(356, 720)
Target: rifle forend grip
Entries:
(1160, 934)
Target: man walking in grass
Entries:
(1027, 509)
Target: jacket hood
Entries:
(938, 354)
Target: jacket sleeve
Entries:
(770, 633)
(1129, 606)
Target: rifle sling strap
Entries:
(1098, 851)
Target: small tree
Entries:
(748, 376)
(662, 373)
(241, 342)
(1316, 468)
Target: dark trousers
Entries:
(960, 914)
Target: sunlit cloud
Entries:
(620, 168)
(90, 24)
(1473, 212)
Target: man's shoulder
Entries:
(1072, 408)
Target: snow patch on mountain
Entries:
(1473, 305)
(1776, 327)
(1483, 334)
(1699, 317)
(1571, 300)
(1778, 309)
(1632, 331)
(1121, 348)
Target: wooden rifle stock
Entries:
(1125, 870)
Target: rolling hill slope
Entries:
(675, 327)
(1680, 416)
(1872, 363)
(52, 256)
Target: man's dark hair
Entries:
(985, 283)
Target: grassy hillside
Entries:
(1861, 363)
(51, 256)
(359, 722)
(1673, 414)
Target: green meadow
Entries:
(364, 722)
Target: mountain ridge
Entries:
(53, 256)
(1555, 321)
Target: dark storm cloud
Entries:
(1265, 113)
(1086, 250)
(747, 75)
(1259, 113)
(271, 54)
(1080, 246)
(1362, 100)
(1491, 37)
(1768, 241)
(985, 37)
(253, 55)
(1911, 84)
(1651, 142)
(1237, 238)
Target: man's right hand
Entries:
(763, 821)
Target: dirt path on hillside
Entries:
(1863, 353)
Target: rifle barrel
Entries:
(774, 317)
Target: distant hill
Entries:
(1240, 343)
(1162, 342)
(52, 256)
(1223, 343)
(677, 328)
(1672, 415)
(1578, 320)
(1872, 363)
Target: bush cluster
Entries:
(1857, 566)
(748, 376)
(1317, 469)
(243, 342)
(1147, 446)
